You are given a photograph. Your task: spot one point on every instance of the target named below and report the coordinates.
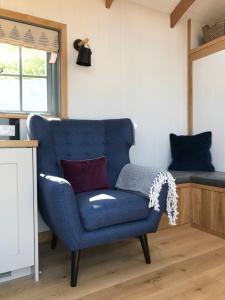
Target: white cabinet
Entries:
(18, 210)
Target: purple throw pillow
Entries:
(86, 175)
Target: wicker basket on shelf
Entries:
(212, 32)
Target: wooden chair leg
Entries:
(145, 248)
(75, 260)
(54, 241)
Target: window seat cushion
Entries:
(216, 179)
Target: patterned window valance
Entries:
(30, 36)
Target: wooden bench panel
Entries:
(201, 205)
(184, 208)
(208, 209)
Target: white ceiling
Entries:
(204, 11)
(165, 6)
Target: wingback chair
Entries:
(91, 218)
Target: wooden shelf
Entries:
(208, 48)
(204, 50)
(18, 144)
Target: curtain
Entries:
(31, 36)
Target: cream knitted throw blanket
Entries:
(148, 182)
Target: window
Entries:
(28, 82)
(27, 40)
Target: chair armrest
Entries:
(59, 209)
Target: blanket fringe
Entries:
(161, 179)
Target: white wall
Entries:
(139, 68)
(209, 102)
(196, 34)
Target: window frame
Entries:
(62, 29)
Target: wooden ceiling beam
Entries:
(179, 11)
(108, 3)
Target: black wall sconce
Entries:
(84, 52)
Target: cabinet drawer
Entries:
(16, 209)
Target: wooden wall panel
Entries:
(208, 210)
(202, 206)
(201, 203)
(184, 205)
(196, 205)
(218, 213)
(184, 208)
(164, 223)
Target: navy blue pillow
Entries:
(191, 153)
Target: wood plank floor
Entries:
(186, 264)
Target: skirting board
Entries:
(15, 274)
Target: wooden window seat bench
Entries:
(201, 201)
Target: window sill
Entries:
(23, 116)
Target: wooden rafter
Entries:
(179, 11)
(108, 3)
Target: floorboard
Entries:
(186, 264)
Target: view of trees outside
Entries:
(34, 62)
(33, 67)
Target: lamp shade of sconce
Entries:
(84, 52)
(84, 57)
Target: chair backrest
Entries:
(79, 140)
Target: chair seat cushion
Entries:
(105, 208)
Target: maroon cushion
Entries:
(86, 175)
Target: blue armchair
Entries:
(97, 217)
